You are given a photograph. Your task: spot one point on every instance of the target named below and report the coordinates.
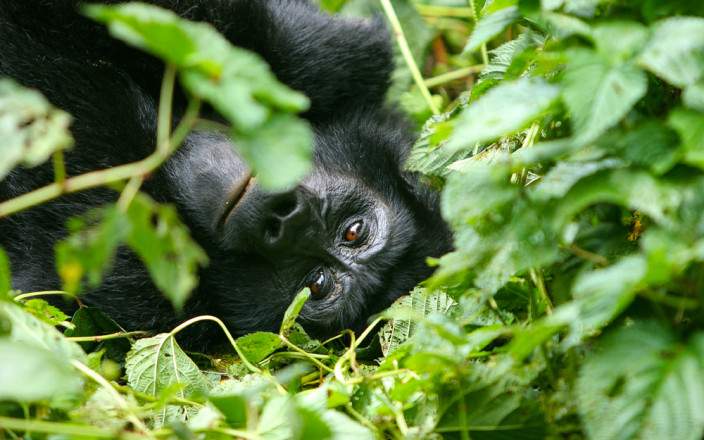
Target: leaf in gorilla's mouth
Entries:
(236, 195)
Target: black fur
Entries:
(273, 244)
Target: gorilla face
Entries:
(356, 231)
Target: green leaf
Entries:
(344, 428)
(640, 383)
(558, 181)
(619, 41)
(599, 94)
(491, 25)
(293, 310)
(157, 366)
(258, 345)
(30, 374)
(689, 125)
(503, 110)
(280, 152)
(676, 51)
(418, 304)
(30, 128)
(31, 331)
(45, 311)
(90, 248)
(694, 96)
(164, 244)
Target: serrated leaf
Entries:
(599, 94)
(405, 311)
(30, 128)
(156, 365)
(30, 374)
(503, 110)
(258, 345)
(293, 310)
(641, 384)
(41, 309)
(676, 50)
(33, 332)
(491, 25)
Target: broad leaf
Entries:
(29, 373)
(598, 93)
(641, 384)
(503, 110)
(676, 51)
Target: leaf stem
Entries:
(64, 428)
(407, 54)
(99, 338)
(24, 296)
(453, 75)
(232, 341)
(444, 11)
(304, 353)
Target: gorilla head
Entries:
(356, 231)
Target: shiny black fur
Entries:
(273, 244)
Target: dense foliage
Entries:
(571, 163)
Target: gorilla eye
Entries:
(318, 285)
(354, 231)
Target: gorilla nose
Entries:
(286, 218)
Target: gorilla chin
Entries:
(357, 230)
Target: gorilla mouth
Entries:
(236, 195)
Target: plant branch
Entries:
(407, 54)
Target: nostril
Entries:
(285, 205)
(273, 229)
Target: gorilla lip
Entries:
(235, 197)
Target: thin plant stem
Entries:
(69, 429)
(407, 54)
(304, 353)
(232, 341)
(99, 338)
(59, 166)
(23, 296)
(475, 16)
(453, 75)
(117, 397)
(444, 11)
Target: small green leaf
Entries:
(505, 109)
(676, 51)
(258, 345)
(280, 152)
(293, 311)
(640, 383)
(30, 128)
(29, 373)
(45, 311)
(164, 244)
(31, 331)
(491, 25)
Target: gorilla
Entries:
(357, 230)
